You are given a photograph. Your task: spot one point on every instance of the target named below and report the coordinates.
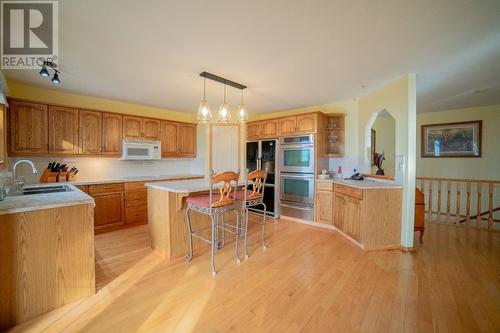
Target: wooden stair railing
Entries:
(456, 191)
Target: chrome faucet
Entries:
(19, 183)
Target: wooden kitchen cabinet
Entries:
(324, 206)
(287, 126)
(136, 203)
(338, 211)
(169, 136)
(151, 129)
(132, 127)
(112, 126)
(109, 206)
(253, 130)
(63, 130)
(28, 124)
(187, 140)
(307, 123)
(269, 129)
(352, 218)
(90, 132)
(3, 137)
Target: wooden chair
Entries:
(249, 198)
(418, 224)
(214, 205)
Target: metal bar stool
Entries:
(214, 205)
(249, 198)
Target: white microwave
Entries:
(141, 150)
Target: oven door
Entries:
(297, 188)
(297, 159)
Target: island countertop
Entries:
(25, 203)
(184, 186)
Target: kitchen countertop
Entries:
(25, 203)
(184, 186)
(136, 179)
(362, 184)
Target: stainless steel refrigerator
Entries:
(262, 155)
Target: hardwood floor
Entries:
(307, 280)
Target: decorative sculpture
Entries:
(378, 160)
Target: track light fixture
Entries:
(46, 64)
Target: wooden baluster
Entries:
(490, 207)
(448, 189)
(467, 217)
(478, 217)
(457, 216)
(430, 200)
(439, 202)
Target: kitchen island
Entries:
(46, 252)
(167, 213)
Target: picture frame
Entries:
(458, 139)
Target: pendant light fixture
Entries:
(224, 112)
(242, 110)
(204, 113)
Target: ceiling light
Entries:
(44, 72)
(55, 78)
(242, 111)
(224, 112)
(204, 112)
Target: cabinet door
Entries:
(151, 129)
(63, 130)
(338, 211)
(28, 128)
(111, 134)
(324, 202)
(169, 135)
(307, 123)
(269, 128)
(3, 138)
(287, 126)
(253, 130)
(90, 132)
(132, 127)
(187, 140)
(352, 220)
(109, 210)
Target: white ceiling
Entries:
(289, 53)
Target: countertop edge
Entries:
(138, 179)
(382, 186)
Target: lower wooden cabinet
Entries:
(136, 203)
(338, 211)
(324, 207)
(352, 218)
(109, 210)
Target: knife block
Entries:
(71, 177)
(61, 176)
(48, 176)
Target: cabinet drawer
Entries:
(136, 198)
(136, 215)
(350, 191)
(106, 188)
(325, 186)
(134, 186)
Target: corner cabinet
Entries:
(178, 139)
(29, 133)
(187, 140)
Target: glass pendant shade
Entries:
(224, 113)
(204, 113)
(242, 113)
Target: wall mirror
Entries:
(383, 145)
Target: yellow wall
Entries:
(485, 167)
(57, 96)
(399, 99)
(385, 142)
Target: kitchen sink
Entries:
(41, 190)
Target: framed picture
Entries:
(461, 139)
(374, 145)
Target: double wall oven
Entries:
(296, 156)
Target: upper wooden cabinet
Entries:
(111, 134)
(90, 132)
(169, 136)
(292, 125)
(63, 130)
(151, 129)
(3, 138)
(132, 127)
(28, 128)
(145, 128)
(269, 129)
(187, 140)
(307, 123)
